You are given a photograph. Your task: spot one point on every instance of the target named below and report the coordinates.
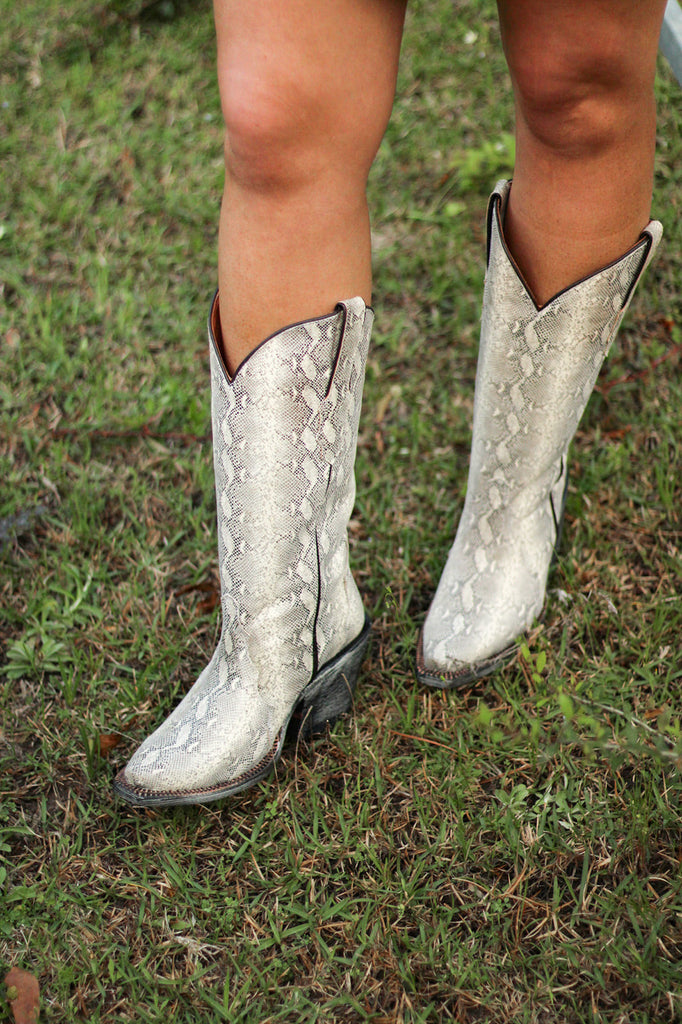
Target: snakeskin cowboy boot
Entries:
(536, 370)
(294, 630)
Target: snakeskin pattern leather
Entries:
(284, 440)
(536, 370)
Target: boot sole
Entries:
(326, 697)
(457, 678)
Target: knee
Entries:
(267, 130)
(579, 102)
(282, 134)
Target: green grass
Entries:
(509, 853)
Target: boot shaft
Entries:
(285, 438)
(538, 366)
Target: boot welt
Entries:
(458, 677)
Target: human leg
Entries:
(306, 91)
(285, 412)
(583, 74)
(538, 362)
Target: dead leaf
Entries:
(23, 993)
(207, 606)
(108, 742)
(209, 588)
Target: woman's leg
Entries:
(583, 75)
(306, 88)
(576, 222)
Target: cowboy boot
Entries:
(294, 630)
(536, 370)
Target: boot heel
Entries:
(330, 694)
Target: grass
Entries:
(510, 853)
